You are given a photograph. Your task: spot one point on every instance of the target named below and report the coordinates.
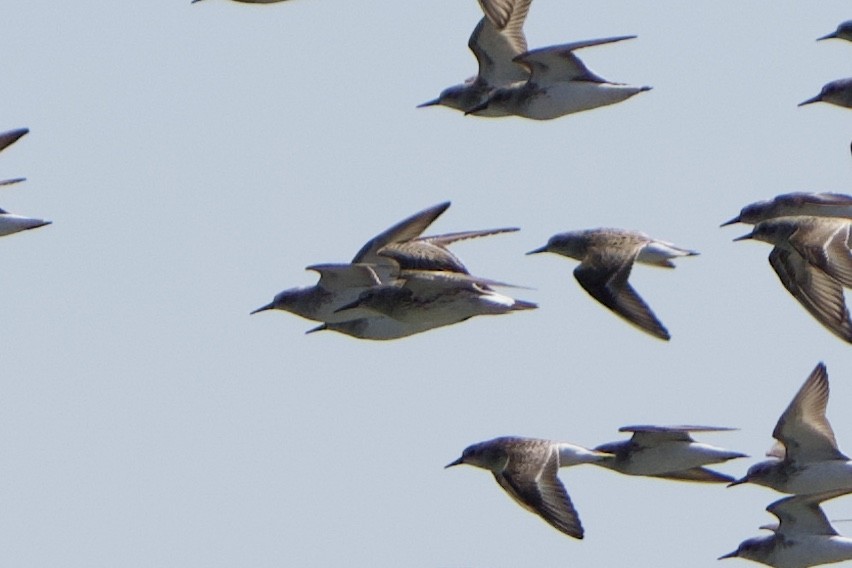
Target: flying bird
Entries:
(806, 458)
(803, 537)
(811, 257)
(559, 83)
(667, 452)
(496, 40)
(606, 257)
(526, 469)
(440, 298)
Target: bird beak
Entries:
(829, 36)
(267, 306)
(427, 103)
(457, 462)
(731, 222)
(744, 237)
(812, 100)
(322, 327)
(738, 482)
(538, 250)
(728, 555)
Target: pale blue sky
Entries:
(194, 158)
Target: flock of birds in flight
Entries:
(402, 283)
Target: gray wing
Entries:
(802, 514)
(826, 246)
(603, 274)
(423, 281)
(495, 52)
(431, 253)
(675, 429)
(817, 291)
(548, 65)
(506, 14)
(536, 487)
(803, 428)
(405, 230)
(646, 435)
(334, 277)
(696, 474)
(11, 136)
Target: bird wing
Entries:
(11, 136)
(337, 277)
(431, 253)
(506, 14)
(557, 63)
(495, 52)
(802, 514)
(816, 290)
(697, 474)
(405, 230)
(536, 487)
(827, 248)
(603, 274)
(803, 428)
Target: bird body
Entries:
(439, 298)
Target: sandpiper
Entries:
(807, 459)
(526, 469)
(11, 223)
(606, 257)
(318, 302)
(797, 203)
(378, 262)
(836, 92)
(496, 40)
(559, 83)
(843, 31)
(803, 537)
(668, 452)
(812, 259)
(439, 298)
